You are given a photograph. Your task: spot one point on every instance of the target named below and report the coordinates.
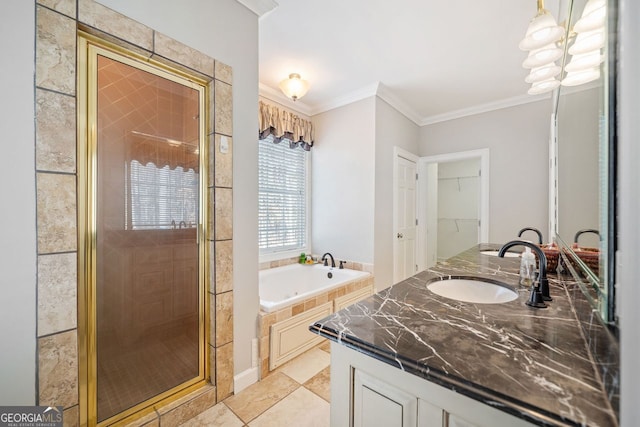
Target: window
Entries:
(162, 198)
(282, 197)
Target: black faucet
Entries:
(540, 288)
(324, 258)
(586, 230)
(531, 229)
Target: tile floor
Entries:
(298, 390)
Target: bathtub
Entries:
(294, 296)
(283, 286)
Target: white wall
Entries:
(18, 213)
(578, 165)
(392, 129)
(518, 139)
(342, 178)
(629, 244)
(227, 31)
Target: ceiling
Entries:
(432, 60)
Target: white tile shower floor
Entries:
(297, 394)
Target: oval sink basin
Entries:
(471, 290)
(507, 254)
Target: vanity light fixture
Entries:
(586, 56)
(541, 38)
(294, 87)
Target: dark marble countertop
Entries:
(532, 363)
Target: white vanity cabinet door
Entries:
(455, 421)
(376, 403)
(429, 415)
(366, 392)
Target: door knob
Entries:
(400, 236)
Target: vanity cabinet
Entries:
(368, 393)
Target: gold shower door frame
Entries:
(89, 47)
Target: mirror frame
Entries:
(602, 296)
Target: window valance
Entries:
(279, 125)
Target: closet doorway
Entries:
(454, 207)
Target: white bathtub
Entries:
(283, 286)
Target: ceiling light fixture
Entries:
(294, 87)
(541, 38)
(586, 56)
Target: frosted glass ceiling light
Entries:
(543, 73)
(542, 56)
(294, 87)
(543, 86)
(587, 42)
(593, 16)
(543, 29)
(584, 61)
(580, 77)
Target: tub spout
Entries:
(324, 258)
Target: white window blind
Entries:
(162, 198)
(282, 197)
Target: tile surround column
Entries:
(55, 143)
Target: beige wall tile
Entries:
(212, 107)
(223, 108)
(71, 417)
(224, 266)
(211, 213)
(212, 318)
(67, 7)
(223, 162)
(224, 371)
(55, 132)
(58, 370)
(212, 363)
(217, 416)
(185, 409)
(224, 213)
(56, 197)
(211, 265)
(57, 282)
(224, 318)
(183, 54)
(224, 72)
(55, 51)
(98, 16)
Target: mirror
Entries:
(585, 200)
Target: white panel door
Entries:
(405, 219)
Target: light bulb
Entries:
(543, 86)
(587, 42)
(542, 56)
(584, 61)
(542, 30)
(543, 73)
(593, 16)
(580, 77)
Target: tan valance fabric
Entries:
(279, 125)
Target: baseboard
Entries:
(245, 379)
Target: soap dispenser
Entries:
(527, 267)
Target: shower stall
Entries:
(143, 252)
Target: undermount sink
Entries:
(492, 252)
(472, 290)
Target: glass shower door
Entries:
(148, 309)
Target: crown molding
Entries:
(351, 97)
(277, 96)
(390, 98)
(259, 7)
(484, 108)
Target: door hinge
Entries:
(416, 221)
(416, 267)
(416, 177)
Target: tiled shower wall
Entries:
(57, 22)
